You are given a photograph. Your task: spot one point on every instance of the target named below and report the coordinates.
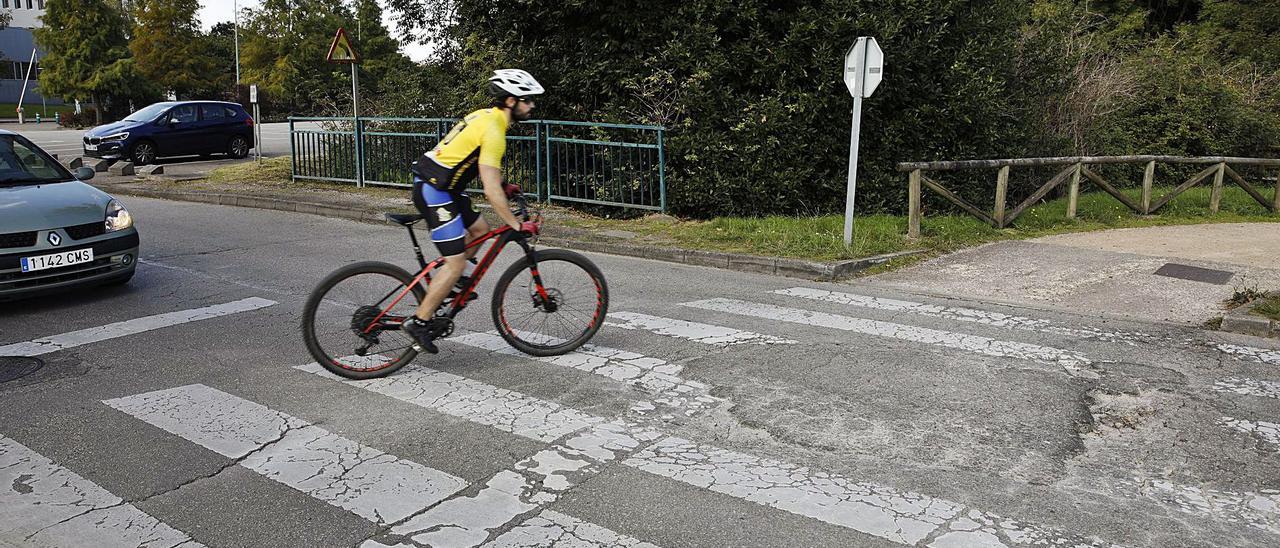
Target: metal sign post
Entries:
(341, 51)
(863, 70)
(257, 127)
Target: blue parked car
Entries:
(174, 128)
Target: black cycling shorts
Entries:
(448, 215)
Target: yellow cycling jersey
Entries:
(480, 138)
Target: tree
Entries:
(757, 115)
(167, 46)
(219, 48)
(380, 52)
(282, 49)
(284, 43)
(87, 56)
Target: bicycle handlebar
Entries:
(522, 206)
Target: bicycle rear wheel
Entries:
(560, 316)
(351, 321)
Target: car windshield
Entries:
(21, 162)
(148, 114)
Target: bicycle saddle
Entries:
(403, 219)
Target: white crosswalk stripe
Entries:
(73, 339)
(374, 485)
(1262, 355)
(1248, 387)
(696, 332)
(1257, 510)
(1268, 432)
(551, 529)
(588, 443)
(868, 508)
(473, 401)
(44, 504)
(1073, 362)
(902, 517)
(658, 378)
(895, 305)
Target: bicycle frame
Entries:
(503, 235)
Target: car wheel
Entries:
(239, 147)
(143, 153)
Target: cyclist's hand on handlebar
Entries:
(530, 227)
(511, 189)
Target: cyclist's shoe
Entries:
(423, 333)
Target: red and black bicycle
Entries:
(547, 303)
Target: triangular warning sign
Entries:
(341, 50)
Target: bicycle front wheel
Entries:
(351, 321)
(555, 316)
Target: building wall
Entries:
(16, 43)
(26, 13)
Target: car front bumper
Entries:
(109, 150)
(114, 258)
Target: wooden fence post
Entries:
(1002, 192)
(1276, 205)
(1148, 180)
(913, 201)
(1215, 196)
(1073, 197)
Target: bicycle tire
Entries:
(545, 257)
(317, 296)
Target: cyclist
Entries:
(474, 147)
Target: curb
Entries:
(1241, 321)
(778, 266)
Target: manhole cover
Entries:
(13, 367)
(1195, 273)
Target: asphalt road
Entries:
(183, 410)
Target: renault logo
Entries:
(55, 239)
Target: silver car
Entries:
(57, 232)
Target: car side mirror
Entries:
(84, 173)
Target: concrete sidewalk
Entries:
(1108, 273)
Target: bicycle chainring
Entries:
(443, 326)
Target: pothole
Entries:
(16, 367)
(1119, 411)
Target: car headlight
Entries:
(116, 137)
(118, 217)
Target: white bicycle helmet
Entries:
(513, 83)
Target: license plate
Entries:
(91, 148)
(56, 260)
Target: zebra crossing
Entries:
(416, 504)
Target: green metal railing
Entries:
(580, 162)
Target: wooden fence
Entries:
(1076, 168)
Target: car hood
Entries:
(56, 205)
(114, 127)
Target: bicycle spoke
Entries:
(556, 316)
(349, 321)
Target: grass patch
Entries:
(1269, 308)
(272, 171)
(29, 110)
(822, 238)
